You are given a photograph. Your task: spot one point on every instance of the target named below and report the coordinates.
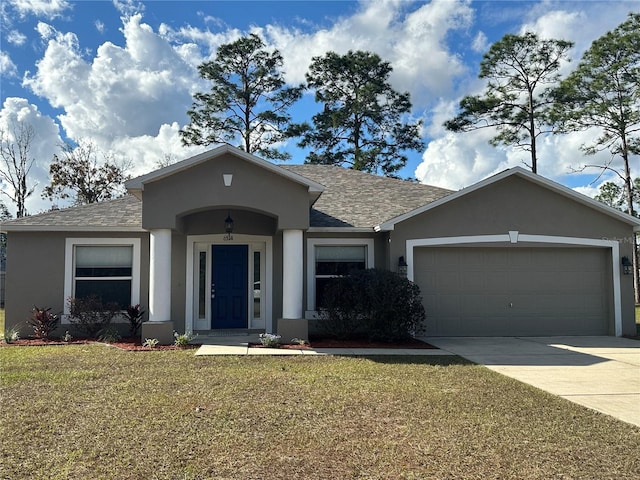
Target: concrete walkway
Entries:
(243, 349)
(239, 345)
(601, 373)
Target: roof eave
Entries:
(69, 228)
(340, 230)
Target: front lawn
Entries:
(77, 412)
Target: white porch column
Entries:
(160, 275)
(292, 274)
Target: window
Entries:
(336, 261)
(202, 285)
(257, 285)
(329, 258)
(104, 271)
(107, 268)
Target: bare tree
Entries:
(85, 174)
(16, 163)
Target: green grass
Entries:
(77, 412)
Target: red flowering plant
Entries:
(43, 322)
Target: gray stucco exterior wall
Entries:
(515, 204)
(36, 272)
(35, 275)
(202, 188)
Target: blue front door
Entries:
(230, 286)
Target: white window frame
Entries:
(69, 265)
(312, 243)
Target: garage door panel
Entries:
(448, 305)
(473, 281)
(496, 256)
(474, 305)
(448, 281)
(514, 291)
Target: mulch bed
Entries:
(130, 344)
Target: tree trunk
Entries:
(532, 132)
(628, 186)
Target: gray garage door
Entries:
(514, 291)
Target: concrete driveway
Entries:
(601, 373)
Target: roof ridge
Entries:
(378, 178)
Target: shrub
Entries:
(134, 314)
(150, 342)
(11, 335)
(393, 306)
(270, 340)
(342, 313)
(377, 303)
(90, 315)
(183, 339)
(109, 335)
(43, 322)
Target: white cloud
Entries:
(122, 92)
(458, 160)
(555, 24)
(189, 41)
(100, 27)
(42, 8)
(14, 37)
(7, 67)
(480, 43)
(128, 8)
(145, 151)
(413, 41)
(45, 145)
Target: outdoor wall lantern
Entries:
(627, 266)
(228, 227)
(402, 267)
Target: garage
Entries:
(515, 290)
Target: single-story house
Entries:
(226, 241)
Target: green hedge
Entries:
(378, 304)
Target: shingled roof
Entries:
(357, 199)
(121, 214)
(350, 199)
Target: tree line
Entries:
(364, 124)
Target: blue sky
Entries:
(122, 73)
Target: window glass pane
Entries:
(338, 268)
(336, 261)
(104, 260)
(202, 287)
(339, 259)
(257, 285)
(116, 291)
(341, 253)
